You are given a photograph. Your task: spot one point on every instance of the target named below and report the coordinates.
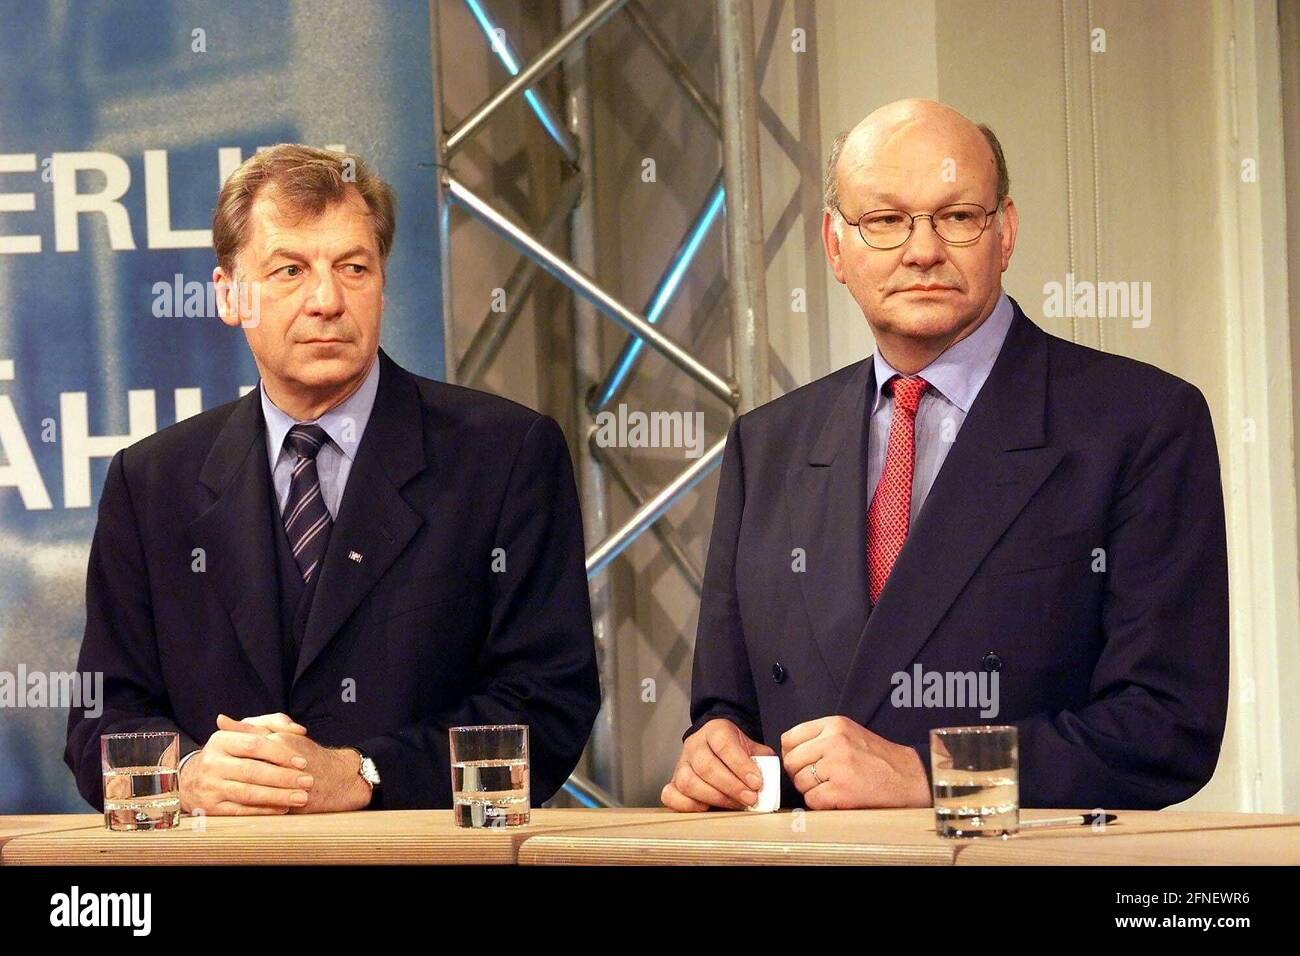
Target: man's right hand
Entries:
(716, 769)
(242, 772)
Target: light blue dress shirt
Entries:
(956, 377)
(345, 423)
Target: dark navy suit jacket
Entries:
(425, 632)
(1112, 663)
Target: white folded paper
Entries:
(769, 798)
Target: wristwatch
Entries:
(369, 773)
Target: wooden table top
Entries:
(880, 836)
(650, 836)
(364, 837)
(16, 826)
(1168, 837)
(744, 838)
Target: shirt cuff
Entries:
(181, 766)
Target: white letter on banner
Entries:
(21, 472)
(79, 446)
(158, 208)
(18, 202)
(68, 203)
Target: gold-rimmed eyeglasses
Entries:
(957, 224)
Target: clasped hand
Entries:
(268, 765)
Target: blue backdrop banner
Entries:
(118, 122)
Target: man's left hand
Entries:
(338, 784)
(855, 768)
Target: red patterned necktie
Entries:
(891, 505)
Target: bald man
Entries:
(981, 523)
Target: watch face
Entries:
(369, 772)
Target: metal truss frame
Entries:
(737, 186)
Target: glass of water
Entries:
(976, 781)
(142, 789)
(489, 775)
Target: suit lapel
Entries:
(828, 515)
(374, 521)
(999, 460)
(235, 535)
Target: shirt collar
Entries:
(344, 423)
(959, 371)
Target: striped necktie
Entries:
(306, 519)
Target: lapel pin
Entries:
(354, 556)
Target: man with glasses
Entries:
(980, 524)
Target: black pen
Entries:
(1079, 820)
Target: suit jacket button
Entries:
(778, 673)
(992, 662)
